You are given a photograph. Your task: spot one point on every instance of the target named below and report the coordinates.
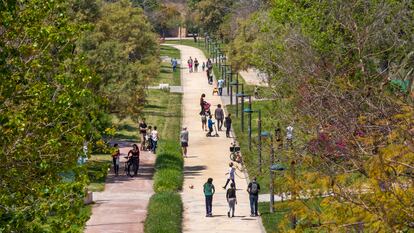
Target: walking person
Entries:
(202, 103)
(184, 141)
(219, 115)
(220, 84)
(210, 124)
(190, 65)
(115, 158)
(149, 139)
(227, 124)
(204, 121)
(155, 138)
(231, 173)
(143, 132)
(196, 65)
(209, 190)
(203, 66)
(133, 155)
(174, 64)
(253, 189)
(231, 199)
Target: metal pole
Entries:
(242, 109)
(259, 144)
(272, 176)
(250, 124)
(237, 99)
(231, 91)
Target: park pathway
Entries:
(122, 206)
(208, 157)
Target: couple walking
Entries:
(253, 189)
(192, 63)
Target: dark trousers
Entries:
(220, 89)
(228, 128)
(154, 146)
(116, 166)
(135, 165)
(253, 203)
(209, 204)
(227, 182)
(210, 130)
(219, 123)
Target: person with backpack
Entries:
(253, 189)
(231, 199)
(208, 189)
(231, 173)
(115, 159)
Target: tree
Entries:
(123, 52)
(47, 111)
(210, 14)
(333, 61)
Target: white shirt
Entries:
(289, 132)
(154, 135)
(220, 83)
(232, 170)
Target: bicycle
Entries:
(129, 167)
(235, 152)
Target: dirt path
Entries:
(208, 157)
(122, 206)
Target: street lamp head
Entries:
(248, 110)
(265, 134)
(277, 167)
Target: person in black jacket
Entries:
(231, 199)
(227, 124)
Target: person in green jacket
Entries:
(209, 190)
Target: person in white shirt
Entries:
(220, 84)
(154, 138)
(289, 136)
(231, 174)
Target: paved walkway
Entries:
(208, 157)
(253, 77)
(122, 207)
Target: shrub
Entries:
(164, 213)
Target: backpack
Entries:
(254, 189)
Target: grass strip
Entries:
(164, 213)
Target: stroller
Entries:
(206, 107)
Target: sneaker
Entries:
(228, 214)
(224, 187)
(232, 215)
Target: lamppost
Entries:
(273, 166)
(259, 126)
(229, 79)
(242, 96)
(237, 84)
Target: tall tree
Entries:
(46, 113)
(123, 51)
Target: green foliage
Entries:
(169, 167)
(97, 169)
(210, 14)
(164, 213)
(123, 52)
(46, 113)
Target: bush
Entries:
(164, 213)
(169, 166)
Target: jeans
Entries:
(227, 182)
(232, 205)
(219, 123)
(209, 204)
(154, 146)
(253, 203)
(116, 166)
(135, 165)
(228, 128)
(220, 89)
